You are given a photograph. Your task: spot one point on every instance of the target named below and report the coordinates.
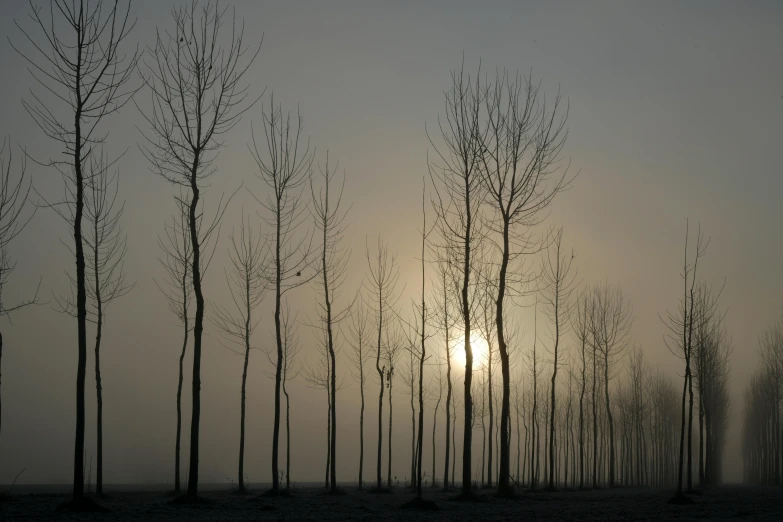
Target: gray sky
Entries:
(676, 111)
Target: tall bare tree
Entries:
(522, 139)
(331, 225)
(445, 308)
(14, 218)
(581, 326)
(107, 247)
(383, 277)
(680, 342)
(611, 323)
(558, 283)
(360, 343)
(195, 76)
(290, 371)
(177, 288)
(78, 56)
(459, 192)
(284, 167)
(246, 286)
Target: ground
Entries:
(736, 502)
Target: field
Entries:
(731, 502)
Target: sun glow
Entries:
(479, 347)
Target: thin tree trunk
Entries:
(98, 383)
(81, 293)
(287, 435)
(610, 419)
(389, 443)
(198, 327)
(434, 427)
(448, 385)
(361, 417)
(279, 341)
(241, 479)
(179, 404)
(379, 483)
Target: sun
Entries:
(478, 345)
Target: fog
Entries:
(675, 112)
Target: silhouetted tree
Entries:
(611, 322)
(246, 285)
(290, 371)
(680, 342)
(521, 143)
(195, 77)
(178, 291)
(360, 344)
(392, 348)
(284, 168)
(444, 269)
(383, 276)
(556, 289)
(459, 193)
(330, 222)
(581, 324)
(77, 56)
(13, 209)
(105, 261)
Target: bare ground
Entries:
(736, 502)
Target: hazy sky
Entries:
(676, 111)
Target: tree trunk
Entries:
(81, 294)
(448, 387)
(179, 405)
(287, 436)
(279, 340)
(241, 471)
(610, 419)
(198, 327)
(98, 383)
(389, 443)
(361, 418)
(380, 371)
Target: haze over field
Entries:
(675, 113)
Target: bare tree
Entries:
(392, 348)
(680, 341)
(439, 382)
(459, 193)
(246, 285)
(290, 371)
(581, 326)
(195, 77)
(77, 56)
(107, 247)
(557, 286)
(360, 344)
(284, 168)
(383, 277)
(330, 221)
(178, 290)
(13, 218)
(521, 144)
(320, 376)
(612, 320)
(445, 308)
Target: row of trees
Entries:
(762, 438)
(496, 168)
